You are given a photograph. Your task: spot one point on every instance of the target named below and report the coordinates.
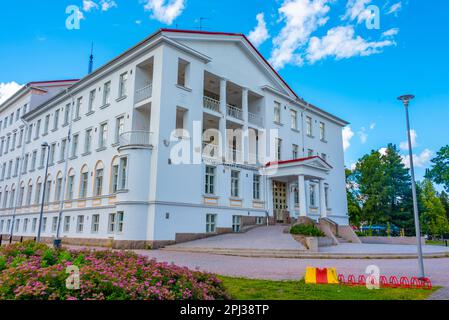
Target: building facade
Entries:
(186, 134)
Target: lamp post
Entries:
(406, 100)
(41, 214)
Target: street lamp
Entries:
(406, 100)
(41, 214)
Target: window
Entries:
(78, 105)
(54, 224)
(95, 223)
(29, 134)
(63, 149)
(210, 222)
(322, 131)
(38, 129)
(326, 195)
(295, 152)
(46, 124)
(70, 184)
(13, 144)
(309, 126)
(56, 120)
(256, 186)
(17, 225)
(312, 189)
(20, 138)
(25, 163)
(37, 194)
(25, 225)
(236, 223)
(66, 224)
(123, 173)
(29, 194)
(33, 160)
(119, 128)
(235, 181)
(74, 145)
(183, 72)
(33, 225)
(277, 112)
(80, 224)
(106, 93)
(309, 152)
(294, 119)
(98, 182)
(296, 195)
(90, 107)
(44, 224)
(122, 85)
(42, 159)
(111, 223)
(278, 146)
(58, 188)
(210, 180)
(21, 194)
(67, 114)
(114, 178)
(88, 141)
(103, 135)
(120, 217)
(83, 184)
(47, 191)
(52, 153)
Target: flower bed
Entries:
(30, 271)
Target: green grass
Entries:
(249, 289)
(435, 242)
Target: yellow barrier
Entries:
(321, 276)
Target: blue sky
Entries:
(323, 48)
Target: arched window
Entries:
(1, 195)
(114, 174)
(21, 194)
(48, 189)
(58, 186)
(70, 184)
(29, 193)
(37, 193)
(5, 197)
(12, 196)
(98, 179)
(84, 180)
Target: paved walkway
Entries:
(271, 238)
(381, 248)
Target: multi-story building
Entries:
(136, 155)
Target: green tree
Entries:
(354, 206)
(445, 201)
(439, 171)
(433, 215)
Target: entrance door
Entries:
(279, 200)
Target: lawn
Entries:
(436, 242)
(249, 289)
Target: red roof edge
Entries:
(239, 35)
(272, 163)
(51, 81)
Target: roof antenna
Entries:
(91, 59)
(201, 22)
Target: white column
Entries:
(323, 208)
(222, 122)
(302, 196)
(245, 144)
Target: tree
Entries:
(433, 215)
(354, 206)
(439, 172)
(445, 202)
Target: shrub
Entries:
(306, 230)
(30, 271)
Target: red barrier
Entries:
(415, 283)
(384, 282)
(341, 279)
(404, 282)
(426, 284)
(362, 280)
(392, 282)
(351, 280)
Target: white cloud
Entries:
(260, 33)
(372, 126)
(89, 5)
(363, 135)
(165, 11)
(357, 10)
(340, 42)
(107, 4)
(391, 32)
(8, 89)
(404, 145)
(420, 161)
(139, 22)
(395, 8)
(301, 18)
(347, 136)
(383, 151)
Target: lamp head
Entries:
(406, 99)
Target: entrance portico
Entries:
(297, 188)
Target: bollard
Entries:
(21, 239)
(1, 238)
(10, 239)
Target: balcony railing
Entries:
(139, 139)
(143, 93)
(234, 112)
(211, 104)
(235, 156)
(255, 119)
(211, 151)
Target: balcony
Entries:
(234, 112)
(255, 119)
(143, 93)
(135, 139)
(211, 104)
(211, 151)
(234, 156)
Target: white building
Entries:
(120, 173)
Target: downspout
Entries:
(16, 202)
(66, 165)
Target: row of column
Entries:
(303, 197)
